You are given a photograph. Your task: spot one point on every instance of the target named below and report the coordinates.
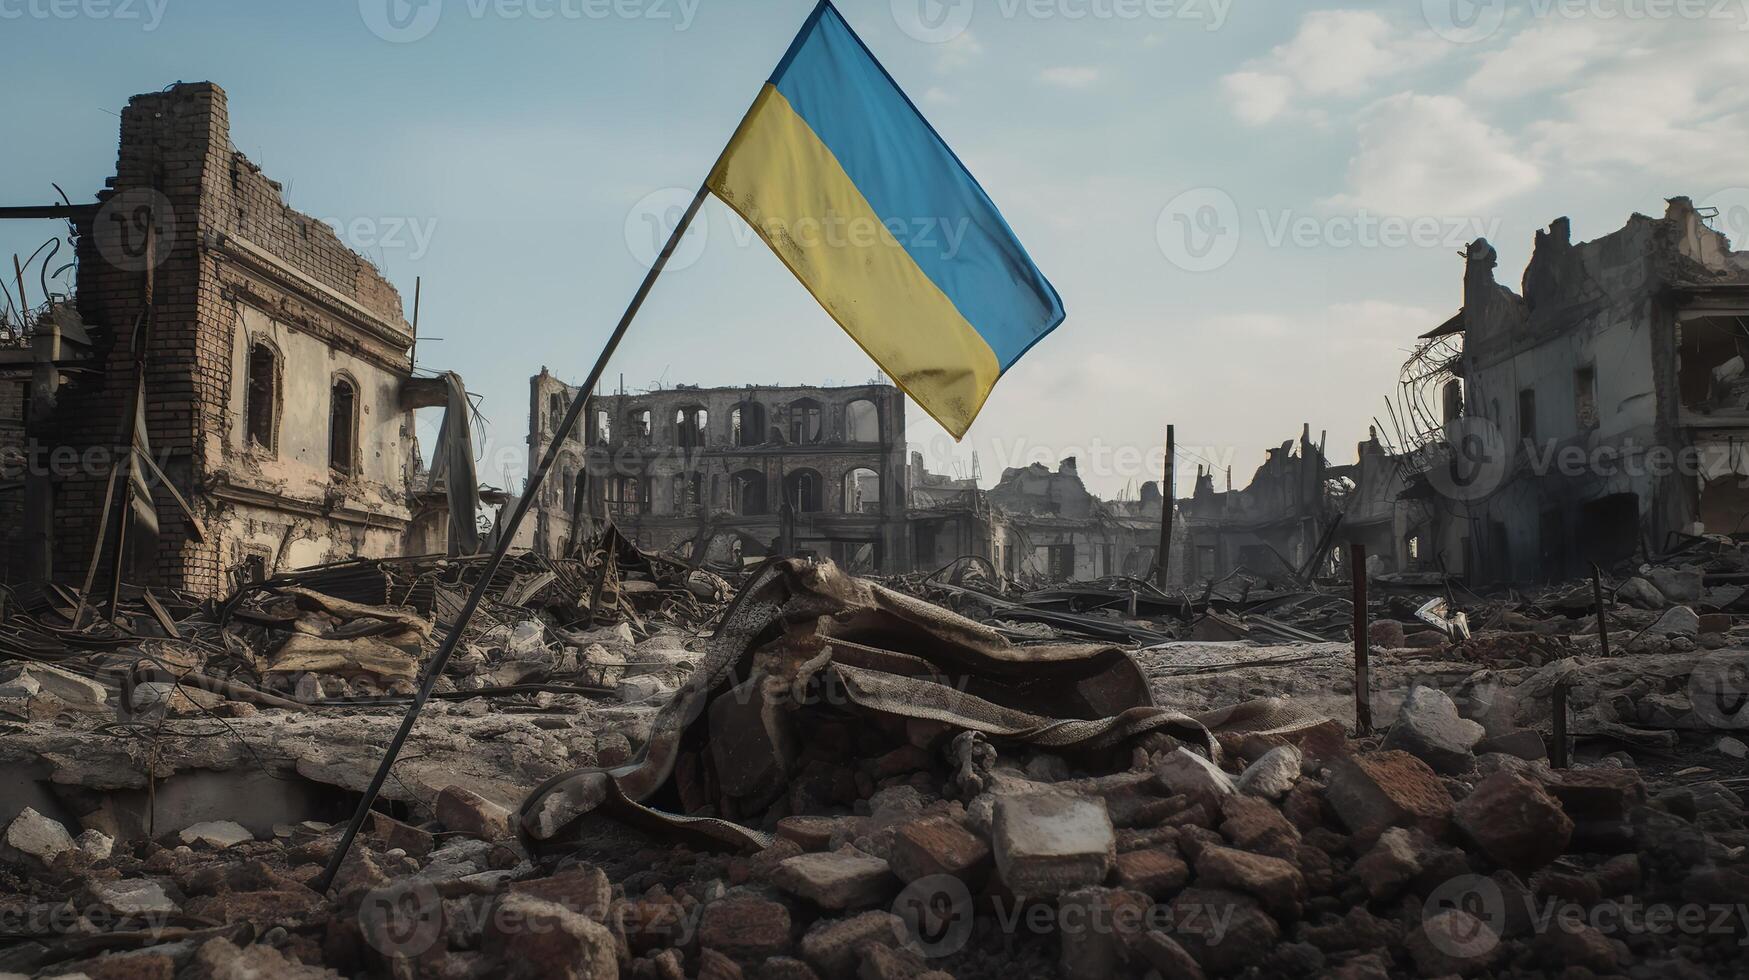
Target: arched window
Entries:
(555, 410)
(640, 422)
(602, 433)
(747, 424)
(747, 488)
(689, 426)
(1452, 399)
(862, 422)
(804, 422)
(688, 491)
(805, 491)
(862, 491)
(261, 397)
(342, 426)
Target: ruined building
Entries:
(1600, 412)
(272, 365)
(744, 471)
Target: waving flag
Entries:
(853, 189)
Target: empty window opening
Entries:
(640, 422)
(805, 492)
(627, 496)
(1710, 364)
(862, 491)
(342, 426)
(555, 410)
(1527, 415)
(747, 423)
(747, 488)
(602, 433)
(804, 422)
(261, 410)
(862, 422)
(689, 427)
(1585, 397)
(1452, 399)
(688, 491)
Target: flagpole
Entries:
(434, 670)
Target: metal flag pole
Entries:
(435, 669)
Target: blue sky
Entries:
(1249, 207)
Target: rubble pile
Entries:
(847, 781)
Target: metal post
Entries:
(435, 669)
(1602, 615)
(1558, 751)
(1362, 652)
(1166, 494)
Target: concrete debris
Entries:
(1429, 728)
(32, 834)
(216, 833)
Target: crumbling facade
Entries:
(275, 369)
(1272, 528)
(734, 472)
(1603, 410)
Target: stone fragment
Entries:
(1375, 791)
(1676, 585)
(63, 685)
(834, 946)
(1256, 825)
(219, 959)
(1386, 634)
(38, 836)
(1046, 844)
(1452, 943)
(1429, 728)
(1391, 864)
(1274, 882)
(583, 890)
(1095, 928)
(132, 897)
(461, 809)
(95, 845)
(1640, 594)
(1678, 621)
(1514, 822)
(713, 965)
(1520, 743)
(216, 834)
(1273, 775)
(1185, 772)
(786, 968)
(1169, 959)
(1598, 793)
(533, 938)
(938, 846)
(817, 833)
(843, 879)
(1157, 872)
(1224, 931)
(746, 929)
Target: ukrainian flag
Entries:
(858, 195)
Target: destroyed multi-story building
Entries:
(743, 471)
(268, 366)
(1599, 413)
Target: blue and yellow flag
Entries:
(858, 195)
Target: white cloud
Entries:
(1069, 77)
(1677, 108)
(938, 95)
(1548, 53)
(1336, 53)
(959, 52)
(1431, 155)
(1257, 97)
